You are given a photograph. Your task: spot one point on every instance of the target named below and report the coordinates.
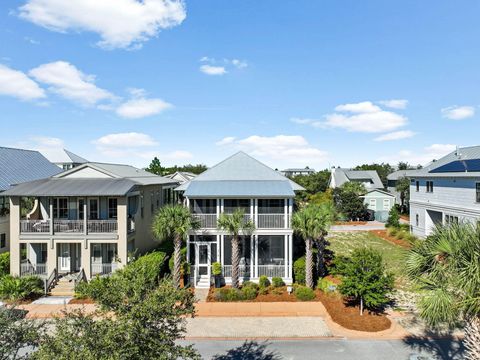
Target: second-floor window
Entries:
(430, 186)
(417, 184)
(478, 192)
(271, 206)
(60, 208)
(112, 208)
(230, 205)
(93, 209)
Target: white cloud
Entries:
(239, 64)
(213, 70)
(225, 141)
(50, 147)
(394, 103)
(306, 121)
(364, 117)
(458, 112)
(119, 23)
(429, 153)
(397, 135)
(131, 139)
(17, 84)
(285, 149)
(67, 81)
(142, 107)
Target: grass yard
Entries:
(344, 243)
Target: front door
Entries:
(203, 257)
(64, 257)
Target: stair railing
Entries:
(79, 278)
(50, 281)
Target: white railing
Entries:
(34, 226)
(68, 226)
(27, 268)
(244, 271)
(207, 221)
(103, 268)
(271, 221)
(102, 226)
(271, 270)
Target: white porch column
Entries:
(290, 256)
(222, 241)
(256, 212)
(252, 254)
(51, 217)
(187, 203)
(188, 248)
(85, 258)
(252, 211)
(85, 229)
(218, 208)
(218, 249)
(256, 256)
(222, 205)
(285, 246)
(290, 211)
(285, 212)
(15, 217)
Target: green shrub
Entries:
(304, 293)
(401, 235)
(277, 282)
(326, 285)
(4, 264)
(277, 291)
(263, 291)
(249, 292)
(228, 294)
(392, 231)
(216, 268)
(20, 288)
(299, 270)
(263, 282)
(393, 217)
(250, 284)
(93, 289)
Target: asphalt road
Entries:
(414, 349)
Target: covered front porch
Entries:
(260, 255)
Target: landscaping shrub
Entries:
(277, 282)
(249, 292)
(250, 284)
(216, 268)
(263, 282)
(392, 231)
(304, 293)
(20, 288)
(326, 285)
(299, 270)
(93, 289)
(228, 294)
(401, 234)
(4, 264)
(393, 218)
(263, 291)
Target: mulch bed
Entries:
(391, 239)
(349, 316)
(82, 301)
(351, 223)
(284, 296)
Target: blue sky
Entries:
(294, 83)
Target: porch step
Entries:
(64, 287)
(203, 282)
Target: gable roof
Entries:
(240, 175)
(386, 193)
(181, 176)
(75, 158)
(400, 174)
(19, 165)
(433, 169)
(340, 176)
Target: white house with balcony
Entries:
(85, 220)
(266, 196)
(446, 191)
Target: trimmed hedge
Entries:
(304, 293)
(263, 282)
(277, 282)
(299, 270)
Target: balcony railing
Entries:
(68, 226)
(271, 270)
(207, 221)
(271, 221)
(103, 268)
(244, 271)
(27, 268)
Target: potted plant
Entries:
(217, 273)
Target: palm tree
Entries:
(236, 225)
(173, 222)
(312, 223)
(446, 266)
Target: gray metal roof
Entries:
(239, 175)
(75, 158)
(19, 165)
(342, 175)
(400, 174)
(73, 187)
(463, 153)
(299, 170)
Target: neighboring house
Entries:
(241, 182)
(17, 166)
(299, 171)
(87, 218)
(379, 202)
(392, 182)
(446, 191)
(181, 176)
(369, 178)
(69, 160)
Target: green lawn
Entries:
(393, 255)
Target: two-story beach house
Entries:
(265, 196)
(446, 191)
(84, 220)
(17, 166)
(369, 178)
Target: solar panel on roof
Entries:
(459, 166)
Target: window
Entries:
(417, 184)
(477, 192)
(430, 186)
(416, 220)
(142, 204)
(81, 214)
(93, 209)
(3, 241)
(158, 199)
(373, 203)
(230, 205)
(60, 208)
(152, 201)
(386, 204)
(112, 208)
(271, 206)
(451, 219)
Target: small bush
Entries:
(20, 288)
(250, 284)
(249, 292)
(393, 217)
(277, 291)
(326, 285)
(299, 270)
(216, 269)
(401, 235)
(228, 294)
(263, 282)
(4, 264)
(263, 291)
(304, 293)
(392, 231)
(277, 282)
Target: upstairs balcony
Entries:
(57, 226)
